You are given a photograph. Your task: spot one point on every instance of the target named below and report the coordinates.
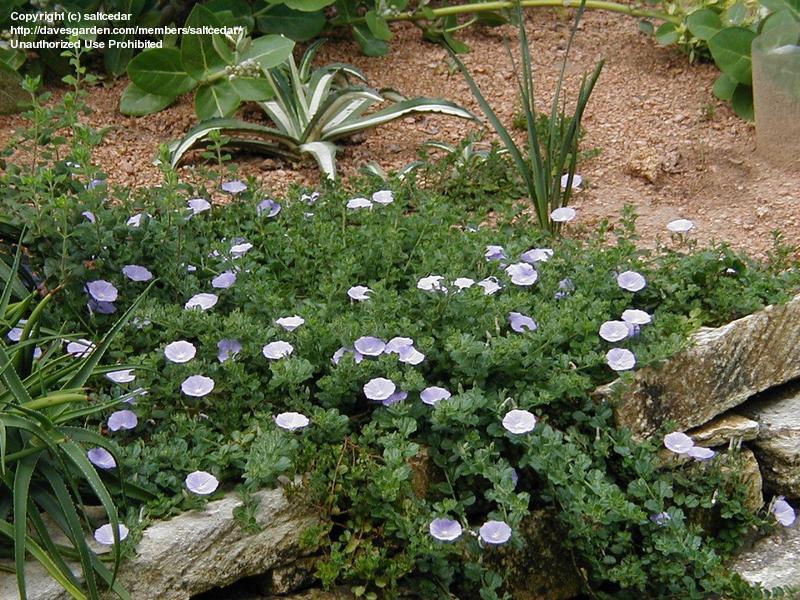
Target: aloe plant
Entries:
(43, 463)
(310, 110)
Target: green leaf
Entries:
(198, 54)
(159, 70)
(136, 102)
(742, 102)
(378, 26)
(296, 25)
(704, 23)
(12, 97)
(667, 34)
(646, 27)
(22, 480)
(216, 100)
(306, 5)
(369, 44)
(731, 51)
(116, 59)
(724, 87)
(269, 50)
(793, 6)
(252, 89)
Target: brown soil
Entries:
(667, 145)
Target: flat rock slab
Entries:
(778, 444)
(773, 561)
(197, 551)
(721, 430)
(725, 366)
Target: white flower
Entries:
(277, 350)
(201, 483)
(614, 331)
(680, 226)
(620, 359)
(636, 317)
(202, 301)
(105, 534)
(291, 421)
(383, 197)
(290, 323)
(123, 376)
(519, 421)
(564, 214)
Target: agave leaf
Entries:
(22, 480)
(355, 109)
(319, 88)
(335, 102)
(308, 58)
(325, 155)
(278, 116)
(397, 111)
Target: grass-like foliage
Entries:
(544, 161)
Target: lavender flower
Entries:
(519, 421)
(383, 197)
(136, 220)
(89, 216)
(202, 301)
(105, 534)
(636, 317)
(268, 207)
(100, 457)
(379, 388)
(661, 518)
(433, 394)
(522, 274)
(197, 386)
(101, 308)
(396, 344)
(537, 255)
(680, 226)
(631, 281)
(201, 483)
(398, 396)
(445, 530)
(80, 348)
(291, 421)
(122, 419)
(614, 331)
(180, 351)
(370, 346)
(783, 512)
(310, 199)
(462, 283)
(563, 215)
(521, 323)
(123, 376)
(620, 359)
(16, 332)
(494, 253)
(490, 286)
(577, 181)
(565, 288)
(102, 290)
(239, 249)
(357, 203)
(136, 273)
(359, 293)
(224, 280)
(290, 323)
(198, 205)
(410, 355)
(700, 453)
(431, 283)
(495, 532)
(277, 350)
(228, 349)
(678, 442)
(233, 187)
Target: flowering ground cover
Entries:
(340, 335)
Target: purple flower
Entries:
(123, 376)
(494, 253)
(495, 532)
(563, 215)
(268, 207)
(383, 197)
(490, 285)
(105, 534)
(197, 386)
(379, 389)
(100, 457)
(136, 220)
(101, 308)
(202, 301)
(433, 394)
(240, 249)
(620, 359)
(678, 442)
(614, 331)
(521, 323)
(633, 330)
(631, 281)
(201, 483)
(233, 187)
(277, 350)
(122, 419)
(522, 274)
(80, 348)
(310, 199)
(680, 226)
(396, 344)
(102, 290)
(136, 273)
(359, 292)
(519, 421)
(357, 203)
(290, 323)
(636, 317)
(89, 216)
(700, 453)
(228, 349)
(224, 280)
(537, 255)
(445, 530)
(198, 205)
(565, 288)
(431, 283)
(661, 518)
(462, 283)
(577, 181)
(783, 512)
(370, 346)
(291, 421)
(410, 355)
(16, 333)
(180, 351)
(398, 396)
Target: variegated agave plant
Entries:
(310, 110)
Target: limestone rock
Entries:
(198, 551)
(725, 366)
(722, 430)
(773, 560)
(778, 443)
